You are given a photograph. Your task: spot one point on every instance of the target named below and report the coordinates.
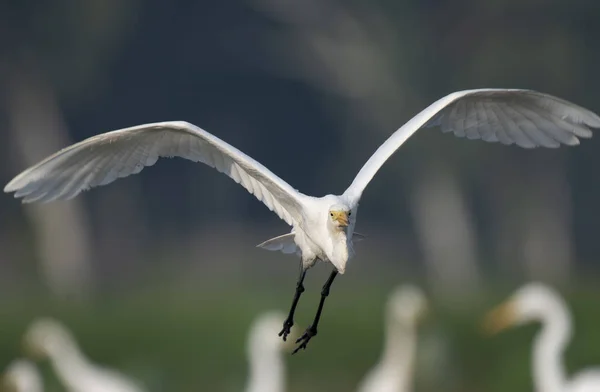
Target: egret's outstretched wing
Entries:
(527, 118)
(102, 159)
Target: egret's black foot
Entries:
(304, 339)
(287, 328)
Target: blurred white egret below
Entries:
(394, 372)
(48, 338)
(21, 375)
(265, 354)
(536, 302)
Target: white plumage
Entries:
(21, 376)
(536, 302)
(323, 227)
(394, 372)
(265, 354)
(50, 339)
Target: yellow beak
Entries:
(340, 217)
(499, 318)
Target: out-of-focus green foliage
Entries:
(195, 340)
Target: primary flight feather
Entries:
(322, 227)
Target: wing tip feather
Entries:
(9, 188)
(14, 184)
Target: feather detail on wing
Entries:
(104, 158)
(509, 116)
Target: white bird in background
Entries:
(536, 302)
(322, 227)
(21, 376)
(405, 309)
(47, 338)
(265, 354)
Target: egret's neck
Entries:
(341, 247)
(71, 366)
(399, 353)
(549, 346)
(267, 372)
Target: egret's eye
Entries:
(331, 214)
(349, 213)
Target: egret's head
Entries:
(21, 375)
(47, 337)
(407, 305)
(339, 216)
(532, 302)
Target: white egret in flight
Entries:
(535, 302)
(322, 227)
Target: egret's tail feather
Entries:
(285, 243)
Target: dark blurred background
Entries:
(158, 274)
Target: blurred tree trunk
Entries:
(61, 228)
(532, 218)
(446, 232)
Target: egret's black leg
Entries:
(312, 330)
(289, 321)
